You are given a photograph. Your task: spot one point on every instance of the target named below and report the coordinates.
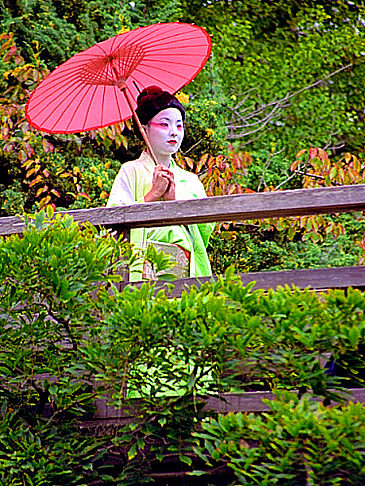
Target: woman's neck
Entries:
(162, 159)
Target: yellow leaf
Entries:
(124, 141)
(333, 173)
(35, 181)
(347, 157)
(29, 173)
(56, 193)
(44, 201)
(323, 155)
(294, 165)
(301, 152)
(41, 190)
(50, 211)
(76, 170)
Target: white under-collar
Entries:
(149, 163)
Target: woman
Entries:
(138, 181)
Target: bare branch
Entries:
(190, 149)
(245, 122)
(284, 182)
(315, 176)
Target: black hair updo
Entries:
(152, 100)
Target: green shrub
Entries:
(44, 452)
(68, 337)
(297, 442)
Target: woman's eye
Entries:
(180, 128)
(163, 125)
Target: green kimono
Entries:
(133, 182)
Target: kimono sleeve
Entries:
(123, 192)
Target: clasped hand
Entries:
(163, 185)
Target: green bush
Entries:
(297, 442)
(68, 337)
(44, 452)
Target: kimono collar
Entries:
(149, 164)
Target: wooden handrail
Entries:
(240, 207)
(228, 208)
(313, 278)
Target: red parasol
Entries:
(99, 86)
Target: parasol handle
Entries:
(139, 124)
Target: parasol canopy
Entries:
(100, 86)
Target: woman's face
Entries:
(165, 131)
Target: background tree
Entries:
(282, 77)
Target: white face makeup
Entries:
(165, 132)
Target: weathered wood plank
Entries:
(223, 208)
(316, 279)
(109, 419)
(252, 401)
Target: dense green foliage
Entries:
(283, 76)
(296, 443)
(252, 249)
(68, 337)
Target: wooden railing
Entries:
(235, 208)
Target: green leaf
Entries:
(162, 421)
(132, 452)
(186, 459)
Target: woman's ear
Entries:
(136, 129)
